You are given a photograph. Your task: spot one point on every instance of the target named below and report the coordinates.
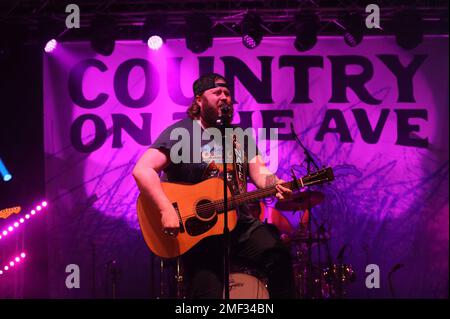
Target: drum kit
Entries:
(312, 280)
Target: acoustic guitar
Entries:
(200, 210)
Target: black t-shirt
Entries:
(193, 159)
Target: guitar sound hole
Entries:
(205, 211)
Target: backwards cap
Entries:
(208, 81)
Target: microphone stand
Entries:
(309, 161)
(222, 121)
(394, 269)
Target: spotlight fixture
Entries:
(198, 32)
(152, 32)
(407, 25)
(353, 24)
(306, 28)
(51, 46)
(6, 175)
(103, 34)
(49, 31)
(252, 32)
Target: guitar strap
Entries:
(239, 167)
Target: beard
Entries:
(211, 115)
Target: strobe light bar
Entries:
(19, 221)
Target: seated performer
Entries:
(252, 243)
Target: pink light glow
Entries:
(10, 228)
(155, 42)
(6, 268)
(21, 220)
(16, 224)
(1, 272)
(22, 255)
(33, 212)
(38, 208)
(11, 263)
(5, 233)
(44, 204)
(27, 216)
(51, 45)
(17, 259)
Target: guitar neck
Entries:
(320, 177)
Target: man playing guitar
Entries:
(253, 244)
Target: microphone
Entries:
(225, 115)
(225, 108)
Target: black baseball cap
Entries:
(208, 81)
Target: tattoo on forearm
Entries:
(271, 180)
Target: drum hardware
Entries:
(300, 201)
(311, 280)
(179, 278)
(247, 285)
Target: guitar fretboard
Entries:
(322, 176)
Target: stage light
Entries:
(353, 24)
(49, 30)
(4, 171)
(306, 28)
(252, 31)
(103, 34)
(51, 46)
(17, 223)
(153, 32)
(198, 32)
(407, 26)
(155, 42)
(12, 263)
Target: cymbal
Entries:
(301, 201)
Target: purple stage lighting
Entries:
(155, 42)
(51, 46)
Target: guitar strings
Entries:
(240, 199)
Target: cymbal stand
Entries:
(309, 161)
(179, 279)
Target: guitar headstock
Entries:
(5, 213)
(320, 177)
